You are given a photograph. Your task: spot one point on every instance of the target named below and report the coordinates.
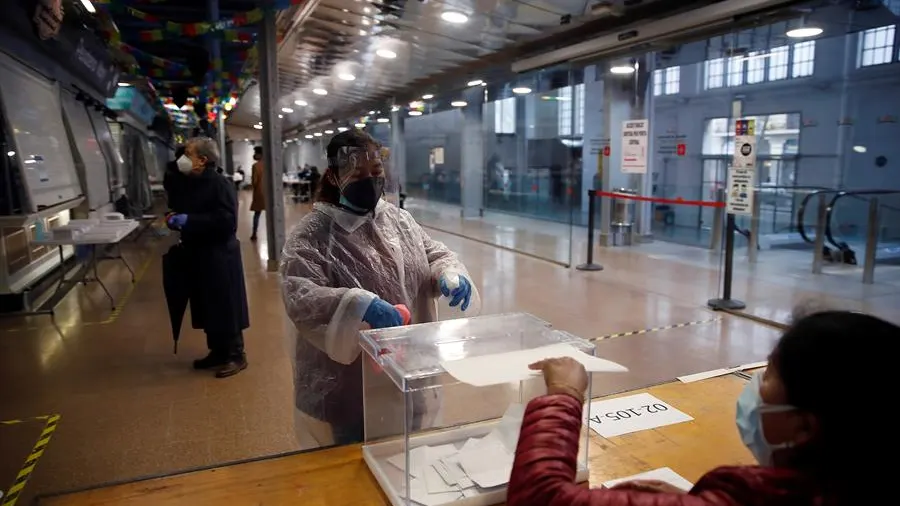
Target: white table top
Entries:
(106, 233)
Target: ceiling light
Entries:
(455, 17)
(367, 10)
(124, 85)
(365, 21)
(622, 69)
(427, 97)
(415, 113)
(459, 103)
(859, 149)
(476, 82)
(329, 132)
(287, 110)
(280, 116)
(521, 90)
(320, 91)
(346, 10)
(10, 153)
(258, 127)
(416, 105)
(88, 6)
(382, 120)
(395, 108)
(301, 103)
(386, 53)
(804, 32)
(317, 134)
(360, 125)
(363, 33)
(308, 136)
(343, 129)
(346, 76)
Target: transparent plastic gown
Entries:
(333, 265)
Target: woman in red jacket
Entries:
(797, 419)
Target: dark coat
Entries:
(218, 294)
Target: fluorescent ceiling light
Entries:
(367, 10)
(329, 132)
(258, 127)
(383, 120)
(280, 116)
(10, 153)
(521, 90)
(622, 69)
(318, 134)
(301, 103)
(88, 6)
(287, 110)
(415, 113)
(859, 149)
(371, 113)
(343, 129)
(476, 82)
(363, 33)
(803, 32)
(427, 97)
(455, 17)
(320, 91)
(308, 136)
(360, 125)
(124, 85)
(346, 76)
(386, 53)
(459, 103)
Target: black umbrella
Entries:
(176, 287)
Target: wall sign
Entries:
(633, 413)
(742, 173)
(634, 146)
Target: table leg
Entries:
(122, 259)
(97, 275)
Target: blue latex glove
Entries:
(380, 315)
(458, 290)
(177, 221)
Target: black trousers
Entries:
(225, 344)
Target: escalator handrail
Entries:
(858, 194)
(801, 226)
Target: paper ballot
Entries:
(662, 474)
(512, 366)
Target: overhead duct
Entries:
(704, 18)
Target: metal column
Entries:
(871, 243)
(398, 147)
(215, 50)
(271, 134)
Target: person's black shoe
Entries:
(253, 237)
(232, 367)
(210, 361)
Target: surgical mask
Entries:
(363, 195)
(750, 408)
(185, 164)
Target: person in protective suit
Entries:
(344, 267)
(205, 213)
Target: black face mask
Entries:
(364, 194)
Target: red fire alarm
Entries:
(606, 151)
(681, 150)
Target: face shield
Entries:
(360, 175)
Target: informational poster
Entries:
(742, 173)
(624, 415)
(634, 146)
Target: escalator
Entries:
(846, 224)
(777, 208)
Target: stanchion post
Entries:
(871, 243)
(590, 265)
(753, 240)
(715, 233)
(726, 302)
(819, 243)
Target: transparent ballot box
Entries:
(444, 403)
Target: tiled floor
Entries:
(131, 408)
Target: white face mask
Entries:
(184, 164)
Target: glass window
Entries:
(579, 108)
(564, 99)
(715, 73)
(804, 59)
(658, 77)
(756, 67)
(876, 46)
(778, 63)
(735, 71)
(667, 81)
(505, 116)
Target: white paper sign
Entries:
(663, 474)
(635, 134)
(633, 413)
(745, 151)
(739, 192)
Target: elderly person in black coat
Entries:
(206, 216)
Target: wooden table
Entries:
(338, 476)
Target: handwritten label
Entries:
(634, 146)
(614, 417)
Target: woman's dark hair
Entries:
(353, 138)
(179, 150)
(824, 360)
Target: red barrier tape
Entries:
(700, 203)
